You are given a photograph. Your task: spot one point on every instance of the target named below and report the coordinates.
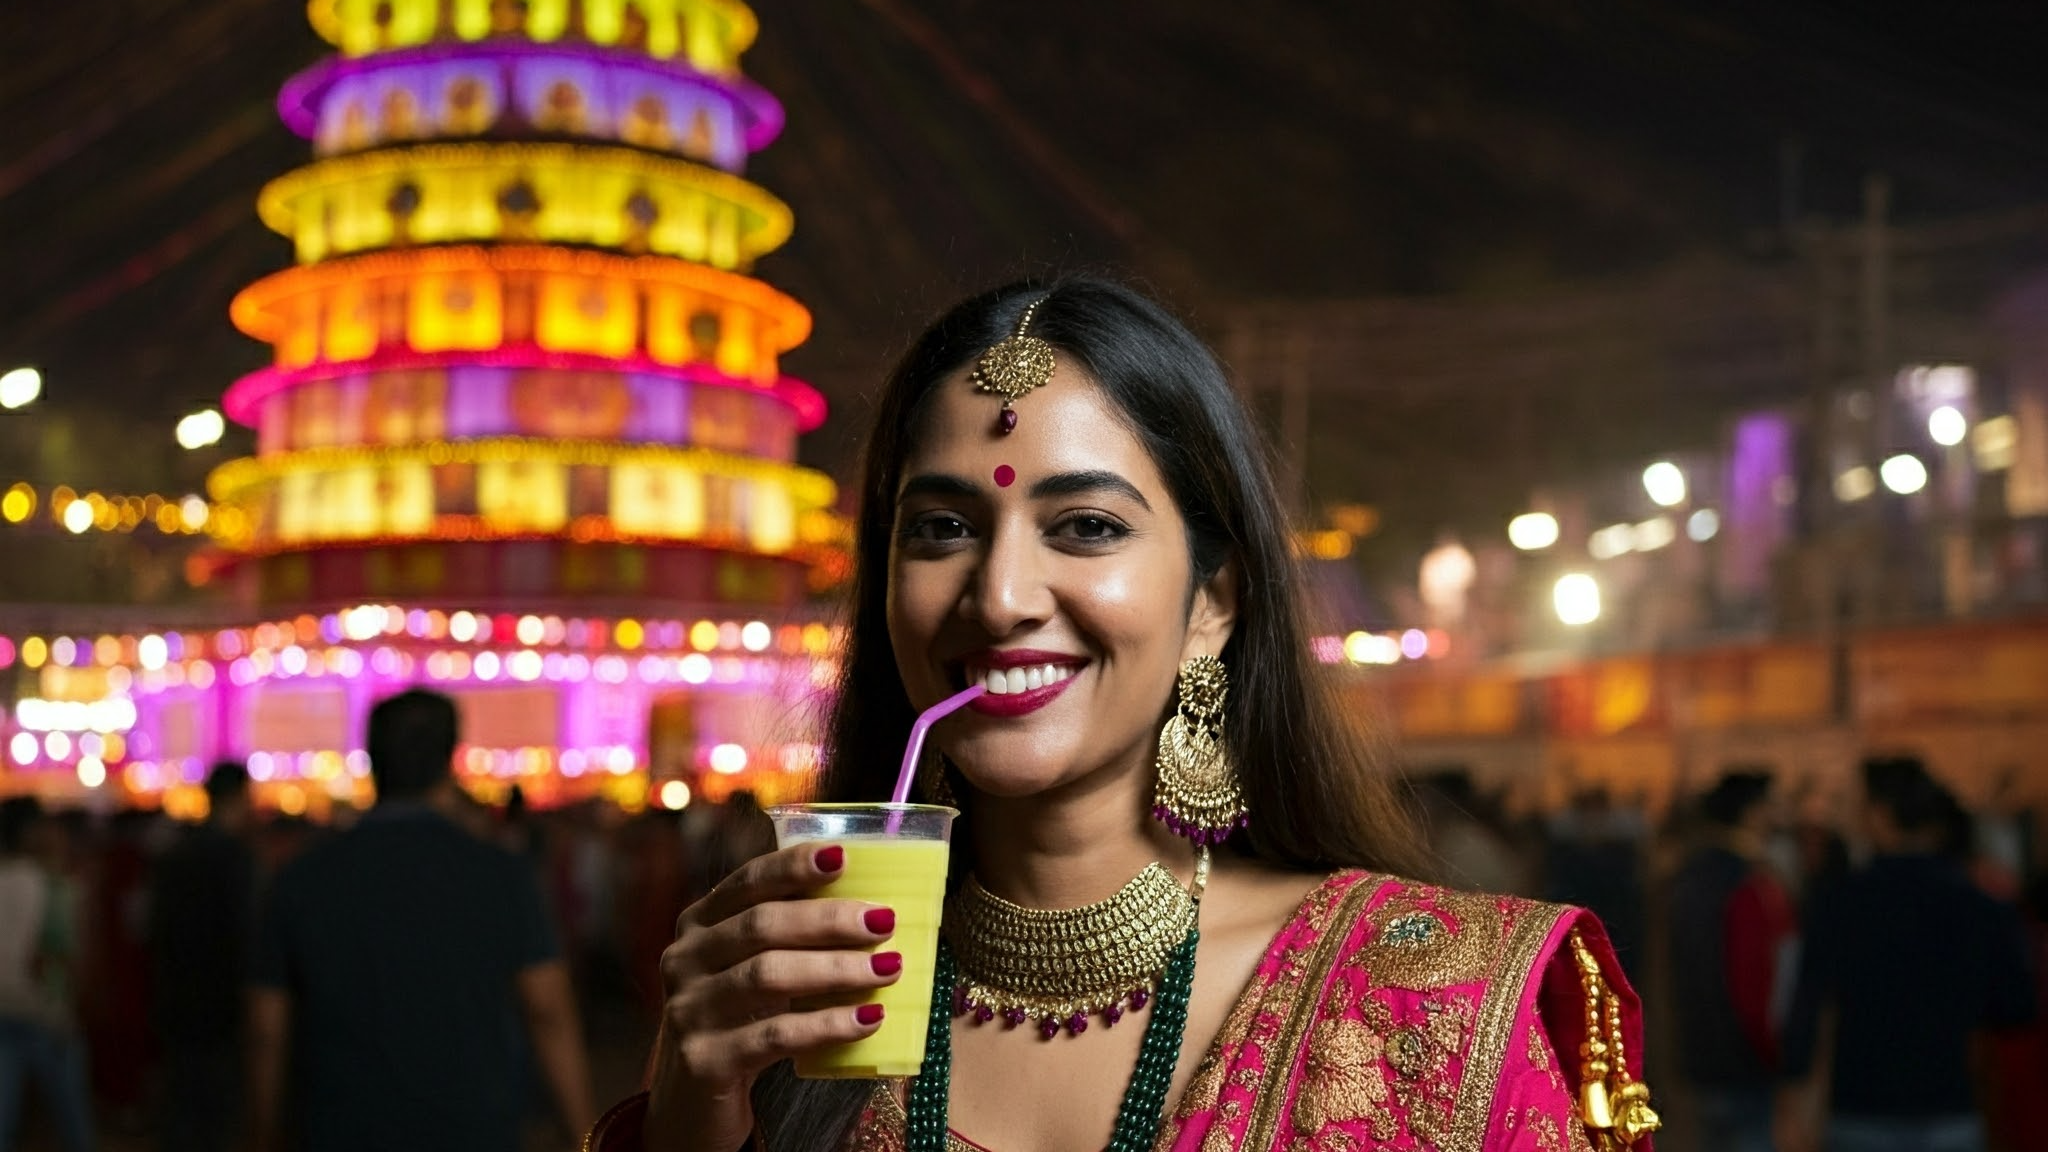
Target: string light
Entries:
(94, 511)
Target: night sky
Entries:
(1229, 154)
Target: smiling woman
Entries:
(1065, 503)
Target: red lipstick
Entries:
(1020, 703)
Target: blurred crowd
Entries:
(1865, 975)
(124, 954)
(1866, 979)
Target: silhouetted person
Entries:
(39, 1039)
(743, 832)
(1593, 857)
(202, 905)
(1909, 959)
(1469, 846)
(392, 960)
(1729, 920)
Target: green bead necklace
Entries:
(1137, 1119)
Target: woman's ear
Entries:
(1213, 614)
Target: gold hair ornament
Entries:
(1014, 367)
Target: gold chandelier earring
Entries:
(1198, 793)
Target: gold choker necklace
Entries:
(1061, 966)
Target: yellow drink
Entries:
(895, 858)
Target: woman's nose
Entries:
(1009, 589)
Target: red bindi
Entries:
(1005, 475)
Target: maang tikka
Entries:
(1198, 793)
(1013, 367)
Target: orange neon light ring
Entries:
(262, 310)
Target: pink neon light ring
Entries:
(245, 396)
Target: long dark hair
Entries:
(1318, 796)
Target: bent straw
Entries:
(930, 716)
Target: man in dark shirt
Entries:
(395, 958)
(1728, 921)
(202, 901)
(1908, 959)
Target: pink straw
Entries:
(930, 716)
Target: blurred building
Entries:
(1832, 536)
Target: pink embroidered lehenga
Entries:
(1391, 1015)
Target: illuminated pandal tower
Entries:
(525, 438)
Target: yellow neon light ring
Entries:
(711, 33)
(329, 312)
(608, 197)
(807, 486)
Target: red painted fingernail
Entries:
(880, 921)
(886, 963)
(868, 1014)
(830, 859)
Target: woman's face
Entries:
(1051, 564)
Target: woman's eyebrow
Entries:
(937, 484)
(1082, 483)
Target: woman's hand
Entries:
(741, 958)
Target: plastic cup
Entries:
(895, 857)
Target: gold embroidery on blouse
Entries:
(1426, 945)
(1413, 1054)
(1342, 1079)
(1253, 1024)
(882, 1124)
(873, 1132)
(1429, 1116)
(1206, 1088)
(1331, 922)
(1493, 1030)
(1539, 1057)
(1545, 1127)
(1450, 1019)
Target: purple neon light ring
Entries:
(299, 99)
(246, 395)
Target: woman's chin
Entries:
(1011, 786)
(1014, 780)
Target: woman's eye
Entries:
(939, 529)
(1091, 528)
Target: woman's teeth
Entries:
(1007, 681)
